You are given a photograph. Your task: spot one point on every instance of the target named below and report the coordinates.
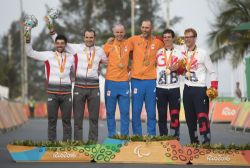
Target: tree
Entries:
(10, 75)
(223, 39)
(76, 16)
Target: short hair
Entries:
(89, 30)
(191, 30)
(169, 31)
(61, 37)
(148, 20)
(118, 25)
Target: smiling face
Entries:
(146, 29)
(168, 40)
(60, 45)
(89, 38)
(119, 32)
(190, 39)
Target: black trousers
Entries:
(171, 98)
(196, 106)
(92, 96)
(64, 102)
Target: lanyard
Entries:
(168, 59)
(90, 57)
(118, 50)
(188, 63)
(61, 63)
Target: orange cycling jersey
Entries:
(118, 58)
(144, 56)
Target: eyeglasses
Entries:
(188, 37)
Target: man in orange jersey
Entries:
(143, 77)
(117, 88)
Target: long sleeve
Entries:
(104, 58)
(210, 68)
(41, 56)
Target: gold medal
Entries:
(121, 65)
(90, 58)
(168, 71)
(188, 74)
(146, 62)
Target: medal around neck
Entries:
(146, 62)
(30, 21)
(121, 66)
(53, 14)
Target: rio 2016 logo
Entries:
(64, 155)
(218, 158)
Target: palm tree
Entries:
(223, 39)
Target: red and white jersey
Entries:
(201, 64)
(171, 57)
(58, 68)
(86, 76)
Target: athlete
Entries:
(58, 66)
(117, 87)
(167, 84)
(88, 56)
(143, 77)
(195, 99)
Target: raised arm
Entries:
(37, 55)
(41, 56)
(70, 47)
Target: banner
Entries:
(224, 111)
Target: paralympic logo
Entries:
(137, 151)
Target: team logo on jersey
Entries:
(108, 93)
(204, 101)
(135, 90)
(50, 99)
(161, 61)
(70, 99)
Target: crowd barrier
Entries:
(241, 120)
(12, 115)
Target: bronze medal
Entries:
(121, 65)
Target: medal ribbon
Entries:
(188, 65)
(147, 50)
(168, 59)
(90, 57)
(118, 50)
(62, 63)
